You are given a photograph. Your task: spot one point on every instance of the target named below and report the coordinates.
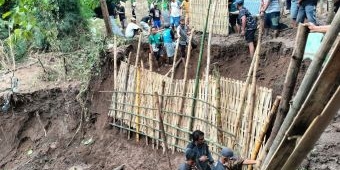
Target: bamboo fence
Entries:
(198, 10)
(133, 108)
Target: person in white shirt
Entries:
(175, 13)
(131, 29)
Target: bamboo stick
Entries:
(218, 105)
(264, 129)
(107, 21)
(313, 133)
(137, 121)
(164, 137)
(170, 71)
(175, 61)
(209, 58)
(198, 69)
(150, 62)
(306, 84)
(138, 49)
(253, 87)
(126, 82)
(290, 82)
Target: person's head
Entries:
(155, 6)
(197, 137)
(227, 155)
(154, 30)
(133, 20)
(166, 25)
(187, 0)
(182, 21)
(239, 3)
(190, 156)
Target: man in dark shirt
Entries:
(156, 16)
(307, 9)
(190, 156)
(121, 14)
(248, 25)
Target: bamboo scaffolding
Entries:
(199, 68)
(313, 133)
(306, 84)
(290, 82)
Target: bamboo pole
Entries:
(218, 106)
(313, 133)
(160, 115)
(138, 49)
(307, 83)
(253, 87)
(150, 62)
(185, 81)
(208, 61)
(290, 82)
(107, 21)
(137, 103)
(126, 82)
(170, 71)
(198, 69)
(264, 129)
(175, 61)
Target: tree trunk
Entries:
(106, 17)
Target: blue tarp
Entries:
(312, 45)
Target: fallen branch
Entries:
(176, 64)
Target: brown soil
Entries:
(60, 114)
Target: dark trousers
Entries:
(183, 49)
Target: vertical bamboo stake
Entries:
(198, 70)
(264, 129)
(253, 87)
(185, 81)
(218, 106)
(126, 82)
(138, 49)
(115, 68)
(107, 21)
(208, 62)
(150, 62)
(137, 103)
(290, 82)
(161, 104)
(307, 83)
(313, 133)
(175, 61)
(160, 115)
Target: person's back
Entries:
(131, 30)
(250, 21)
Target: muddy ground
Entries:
(97, 145)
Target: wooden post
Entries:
(107, 20)
(218, 106)
(137, 102)
(126, 82)
(197, 80)
(206, 106)
(150, 62)
(264, 129)
(164, 137)
(185, 80)
(175, 60)
(308, 81)
(138, 50)
(313, 133)
(290, 81)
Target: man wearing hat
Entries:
(228, 161)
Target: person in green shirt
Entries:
(156, 44)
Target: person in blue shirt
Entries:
(203, 159)
(248, 25)
(168, 39)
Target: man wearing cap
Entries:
(131, 29)
(228, 161)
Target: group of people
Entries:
(198, 156)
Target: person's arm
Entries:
(265, 5)
(243, 24)
(178, 31)
(249, 162)
(314, 28)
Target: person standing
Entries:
(272, 16)
(168, 39)
(307, 8)
(155, 44)
(156, 16)
(182, 34)
(185, 6)
(248, 26)
(233, 14)
(203, 159)
(175, 13)
(228, 161)
(294, 9)
(190, 163)
(121, 14)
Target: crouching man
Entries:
(228, 161)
